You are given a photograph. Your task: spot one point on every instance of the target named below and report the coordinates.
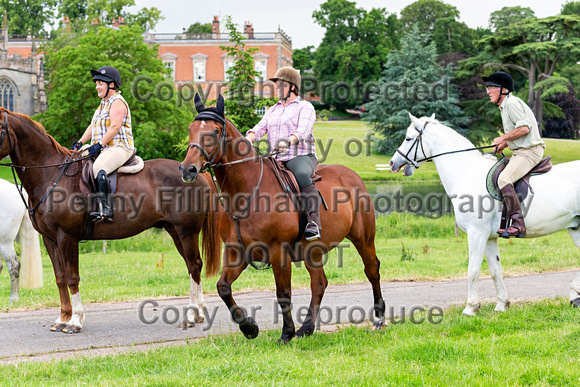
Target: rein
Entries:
(419, 142)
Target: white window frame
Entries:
(228, 62)
(199, 59)
(169, 60)
(261, 58)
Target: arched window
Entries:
(6, 95)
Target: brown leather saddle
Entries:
(522, 186)
(286, 177)
(88, 183)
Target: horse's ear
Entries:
(220, 106)
(432, 116)
(199, 106)
(415, 120)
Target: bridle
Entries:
(419, 143)
(212, 155)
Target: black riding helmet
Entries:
(500, 79)
(107, 74)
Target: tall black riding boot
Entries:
(105, 208)
(311, 200)
(515, 225)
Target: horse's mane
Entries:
(38, 126)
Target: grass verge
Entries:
(530, 344)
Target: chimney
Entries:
(121, 21)
(249, 30)
(215, 28)
(115, 22)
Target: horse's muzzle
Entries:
(189, 174)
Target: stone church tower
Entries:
(21, 79)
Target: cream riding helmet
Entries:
(290, 75)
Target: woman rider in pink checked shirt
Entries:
(289, 125)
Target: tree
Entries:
(509, 15)
(564, 125)
(158, 123)
(571, 8)
(198, 28)
(241, 82)
(30, 16)
(353, 50)
(413, 82)
(532, 47)
(450, 35)
(424, 13)
(303, 58)
(82, 12)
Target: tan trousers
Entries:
(521, 162)
(111, 158)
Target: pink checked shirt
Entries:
(280, 122)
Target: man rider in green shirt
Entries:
(522, 136)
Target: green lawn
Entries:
(530, 344)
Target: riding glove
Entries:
(95, 149)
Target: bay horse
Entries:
(554, 204)
(14, 222)
(154, 197)
(266, 223)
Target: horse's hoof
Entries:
(471, 310)
(71, 329)
(283, 341)
(286, 337)
(575, 303)
(379, 325)
(249, 328)
(199, 319)
(57, 327)
(305, 330)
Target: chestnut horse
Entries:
(154, 197)
(268, 224)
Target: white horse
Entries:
(14, 220)
(554, 206)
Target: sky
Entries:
(295, 17)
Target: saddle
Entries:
(88, 183)
(286, 178)
(522, 185)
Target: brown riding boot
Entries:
(311, 201)
(516, 226)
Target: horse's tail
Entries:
(31, 263)
(211, 241)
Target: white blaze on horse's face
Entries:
(202, 124)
